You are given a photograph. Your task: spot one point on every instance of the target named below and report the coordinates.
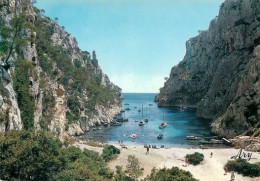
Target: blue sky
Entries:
(137, 41)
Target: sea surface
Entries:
(179, 124)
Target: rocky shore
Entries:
(220, 72)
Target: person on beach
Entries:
(186, 161)
(211, 155)
(232, 176)
(147, 150)
(226, 170)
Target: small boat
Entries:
(133, 136)
(150, 104)
(162, 125)
(135, 107)
(114, 117)
(94, 129)
(128, 109)
(139, 110)
(126, 104)
(146, 120)
(180, 110)
(160, 136)
(105, 124)
(124, 119)
(192, 137)
(204, 147)
(116, 124)
(213, 141)
(136, 121)
(141, 123)
(120, 119)
(122, 111)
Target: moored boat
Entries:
(133, 136)
(125, 119)
(192, 137)
(162, 125)
(160, 136)
(141, 123)
(127, 109)
(146, 120)
(213, 141)
(116, 124)
(204, 147)
(105, 124)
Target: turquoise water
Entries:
(179, 124)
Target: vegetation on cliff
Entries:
(40, 73)
(79, 78)
(219, 74)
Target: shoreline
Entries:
(166, 146)
(169, 157)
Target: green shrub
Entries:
(243, 167)
(110, 152)
(121, 175)
(195, 158)
(133, 168)
(21, 87)
(30, 155)
(173, 174)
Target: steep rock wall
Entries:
(219, 74)
(60, 103)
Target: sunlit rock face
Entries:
(220, 72)
(49, 94)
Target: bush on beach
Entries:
(195, 158)
(173, 174)
(110, 152)
(241, 166)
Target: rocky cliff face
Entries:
(46, 81)
(220, 72)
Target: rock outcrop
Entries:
(220, 72)
(46, 81)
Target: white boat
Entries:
(192, 137)
(133, 136)
(162, 125)
(141, 123)
(160, 136)
(116, 124)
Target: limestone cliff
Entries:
(46, 81)
(220, 72)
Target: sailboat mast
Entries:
(142, 110)
(163, 115)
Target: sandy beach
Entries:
(209, 169)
